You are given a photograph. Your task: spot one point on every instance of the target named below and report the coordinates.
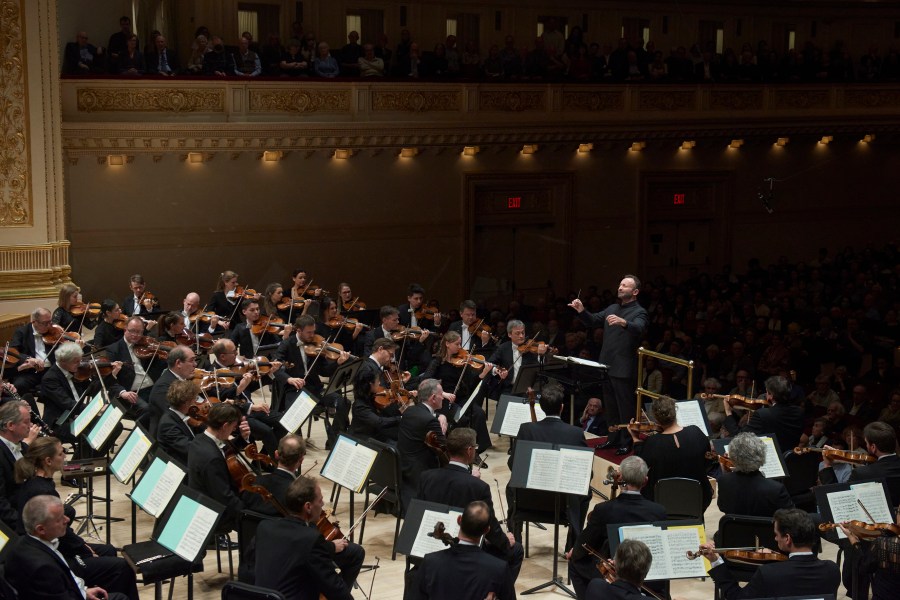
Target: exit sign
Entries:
(678, 199)
(514, 202)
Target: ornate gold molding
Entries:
(871, 98)
(593, 101)
(736, 100)
(299, 101)
(802, 99)
(513, 101)
(15, 183)
(130, 99)
(667, 100)
(417, 101)
(33, 271)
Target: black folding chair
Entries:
(236, 590)
(682, 497)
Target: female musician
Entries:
(301, 287)
(106, 333)
(98, 562)
(458, 382)
(69, 296)
(368, 420)
(271, 299)
(224, 302)
(349, 338)
(171, 325)
(746, 491)
(675, 452)
(346, 299)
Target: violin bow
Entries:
(3, 365)
(865, 510)
(100, 377)
(315, 462)
(500, 497)
(365, 512)
(461, 374)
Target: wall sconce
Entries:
(529, 148)
(116, 160)
(272, 155)
(195, 157)
(343, 153)
(736, 143)
(688, 144)
(638, 146)
(782, 142)
(470, 150)
(408, 152)
(826, 139)
(868, 138)
(584, 148)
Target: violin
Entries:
(738, 401)
(745, 556)
(287, 304)
(147, 347)
(723, 459)
(189, 338)
(203, 317)
(440, 533)
(154, 301)
(330, 531)
(312, 290)
(413, 333)
(10, 356)
(346, 323)
(607, 570)
(533, 346)
(90, 310)
(863, 530)
(637, 427)
(477, 328)
(246, 293)
(394, 393)
(429, 311)
(56, 334)
(464, 359)
(87, 369)
(267, 324)
(262, 365)
(355, 305)
(438, 445)
(121, 322)
(835, 455)
(319, 345)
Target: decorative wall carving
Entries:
(668, 100)
(513, 101)
(141, 99)
(15, 185)
(417, 101)
(736, 100)
(802, 99)
(871, 98)
(593, 100)
(299, 101)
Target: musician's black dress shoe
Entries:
(623, 450)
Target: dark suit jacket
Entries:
(626, 508)
(289, 351)
(241, 337)
(456, 486)
(751, 494)
(503, 357)
(598, 426)
(57, 395)
(599, 589)
(551, 430)
(297, 561)
(887, 467)
(463, 572)
(208, 474)
(174, 436)
(106, 334)
(785, 421)
(119, 351)
(415, 456)
(23, 341)
(72, 56)
(277, 482)
(151, 61)
(620, 344)
(799, 576)
(158, 403)
(475, 341)
(39, 574)
(128, 307)
(8, 486)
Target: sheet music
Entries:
(4, 539)
(426, 544)
(298, 412)
(105, 425)
(772, 467)
(349, 464)
(543, 472)
(468, 403)
(690, 413)
(187, 528)
(653, 537)
(156, 488)
(575, 477)
(581, 361)
(87, 415)
(516, 414)
(130, 455)
(669, 548)
(844, 505)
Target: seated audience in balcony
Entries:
(658, 69)
(470, 63)
(292, 62)
(369, 64)
(634, 70)
(246, 62)
(510, 58)
(118, 42)
(492, 67)
(198, 54)
(308, 50)
(81, 57)
(253, 45)
(581, 64)
(870, 64)
(130, 61)
(434, 64)
(162, 60)
(216, 61)
(350, 55)
(383, 52)
(324, 64)
(270, 55)
(451, 53)
(402, 66)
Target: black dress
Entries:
(687, 459)
(226, 308)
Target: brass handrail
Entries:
(640, 391)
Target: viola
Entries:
(746, 556)
(88, 368)
(355, 305)
(267, 324)
(613, 480)
(438, 445)
(836, 455)
(287, 304)
(607, 570)
(330, 531)
(637, 427)
(402, 332)
(246, 293)
(429, 311)
(738, 401)
(479, 327)
(394, 393)
(90, 310)
(464, 359)
(56, 334)
(320, 345)
(147, 347)
(863, 530)
(346, 323)
(533, 346)
(723, 459)
(198, 412)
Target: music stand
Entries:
(343, 375)
(348, 466)
(525, 378)
(582, 376)
(125, 463)
(771, 471)
(420, 511)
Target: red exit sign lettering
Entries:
(514, 202)
(678, 199)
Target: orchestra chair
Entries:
(161, 570)
(236, 590)
(385, 473)
(682, 498)
(536, 506)
(803, 473)
(738, 531)
(248, 521)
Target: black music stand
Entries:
(343, 375)
(576, 377)
(353, 491)
(115, 466)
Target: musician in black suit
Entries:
(628, 507)
(305, 373)
(782, 418)
(464, 568)
(36, 356)
(881, 442)
(633, 560)
(173, 434)
(36, 569)
(623, 323)
(417, 351)
(16, 432)
(290, 453)
(207, 467)
(181, 363)
(415, 424)
(224, 302)
(136, 375)
(508, 360)
(455, 485)
(296, 560)
(746, 491)
(390, 323)
(368, 420)
(592, 420)
(242, 335)
(803, 574)
(136, 303)
(551, 429)
(481, 342)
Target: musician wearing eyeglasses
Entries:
(35, 356)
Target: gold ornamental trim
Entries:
(299, 101)
(736, 100)
(33, 271)
(802, 99)
(515, 101)
(417, 101)
(165, 100)
(667, 101)
(593, 101)
(872, 98)
(15, 184)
